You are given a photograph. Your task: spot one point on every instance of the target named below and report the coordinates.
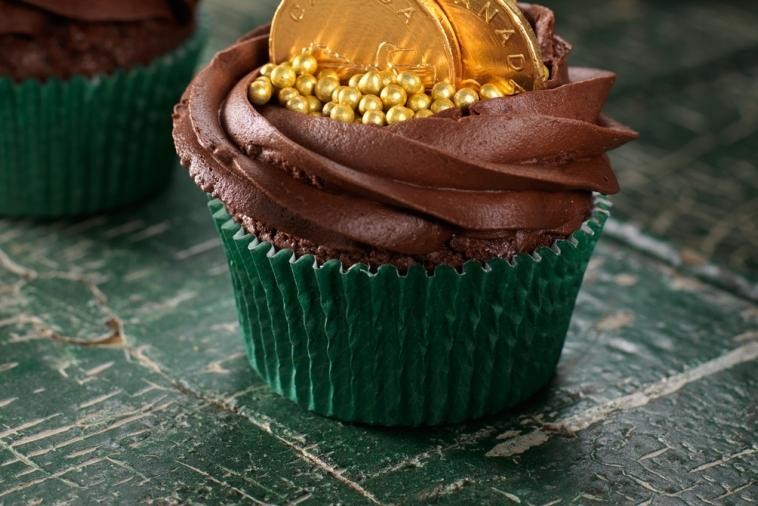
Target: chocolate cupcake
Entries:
(86, 90)
(419, 273)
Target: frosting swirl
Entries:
(523, 164)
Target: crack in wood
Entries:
(724, 460)
(116, 337)
(111, 425)
(445, 490)
(511, 497)
(419, 460)
(223, 484)
(57, 475)
(581, 421)
(224, 404)
(633, 237)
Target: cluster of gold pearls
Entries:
(377, 97)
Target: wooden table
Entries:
(123, 378)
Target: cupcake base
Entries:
(391, 349)
(82, 145)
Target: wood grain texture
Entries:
(123, 378)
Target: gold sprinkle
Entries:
(373, 118)
(306, 84)
(410, 82)
(325, 87)
(283, 76)
(354, 80)
(298, 104)
(442, 104)
(314, 104)
(489, 91)
(286, 94)
(392, 95)
(371, 83)
(327, 110)
(370, 103)
(465, 97)
(343, 113)
(267, 69)
(419, 101)
(349, 96)
(443, 90)
(397, 114)
(260, 92)
(305, 64)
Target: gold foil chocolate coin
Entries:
(497, 42)
(354, 36)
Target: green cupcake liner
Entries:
(391, 349)
(86, 145)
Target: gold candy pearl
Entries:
(328, 73)
(305, 64)
(397, 114)
(285, 94)
(465, 97)
(442, 104)
(260, 92)
(370, 83)
(349, 96)
(283, 76)
(343, 113)
(267, 69)
(370, 103)
(296, 61)
(298, 104)
(424, 113)
(410, 82)
(443, 90)
(419, 101)
(327, 110)
(264, 79)
(392, 95)
(306, 84)
(374, 118)
(388, 76)
(314, 104)
(489, 91)
(325, 87)
(336, 93)
(545, 73)
(354, 80)
(309, 65)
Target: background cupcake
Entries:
(85, 94)
(419, 273)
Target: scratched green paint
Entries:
(170, 412)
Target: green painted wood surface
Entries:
(123, 378)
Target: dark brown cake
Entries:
(64, 38)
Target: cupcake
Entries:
(420, 270)
(86, 90)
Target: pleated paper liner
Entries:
(85, 145)
(411, 349)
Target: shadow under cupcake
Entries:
(420, 273)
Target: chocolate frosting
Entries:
(528, 163)
(31, 17)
